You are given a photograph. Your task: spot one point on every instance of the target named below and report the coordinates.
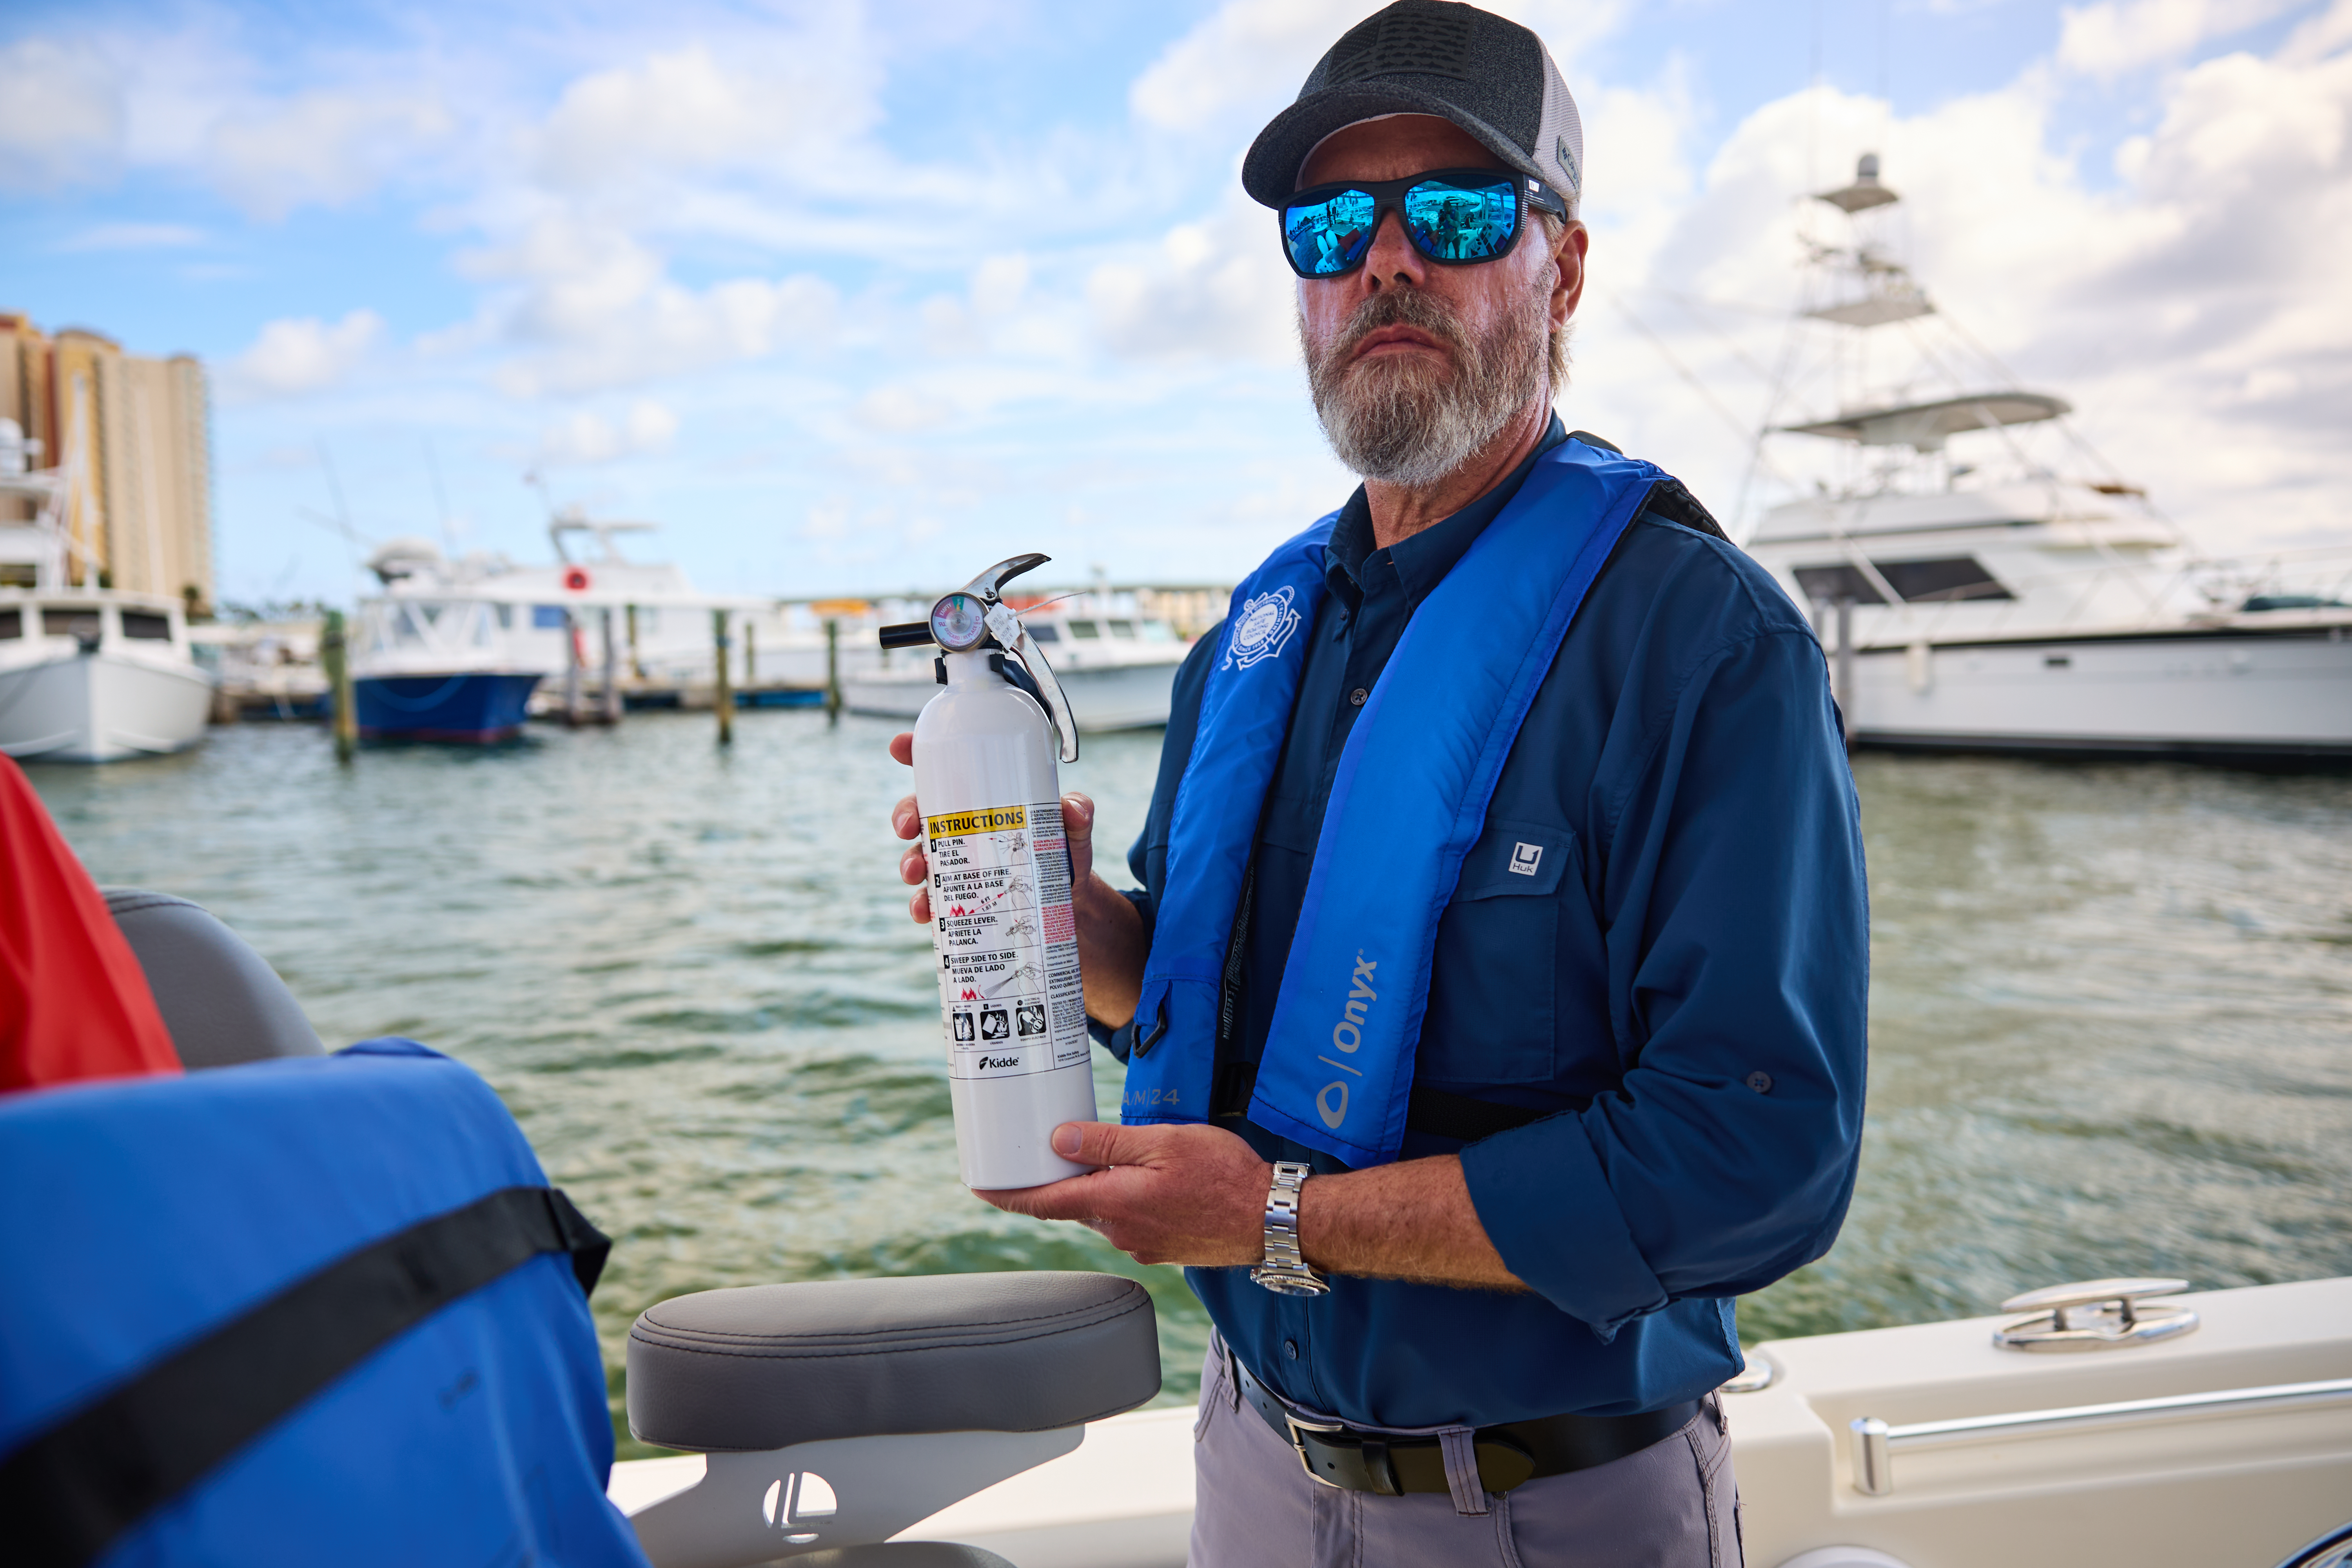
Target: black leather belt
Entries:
(1509, 1454)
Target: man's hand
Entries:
(1193, 1194)
(1111, 948)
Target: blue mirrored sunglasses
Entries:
(1455, 217)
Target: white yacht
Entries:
(1117, 667)
(87, 674)
(2015, 595)
(457, 649)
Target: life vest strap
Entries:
(77, 1486)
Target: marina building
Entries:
(131, 437)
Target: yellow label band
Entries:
(997, 819)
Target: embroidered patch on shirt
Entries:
(1262, 629)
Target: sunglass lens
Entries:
(1327, 237)
(1461, 223)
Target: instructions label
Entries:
(1010, 999)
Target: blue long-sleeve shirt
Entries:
(1682, 981)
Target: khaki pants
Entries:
(1672, 1505)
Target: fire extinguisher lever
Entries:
(989, 585)
(1008, 630)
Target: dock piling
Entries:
(572, 662)
(612, 694)
(334, 655)
(722, 694)
(832, 672)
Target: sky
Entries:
(859, 298)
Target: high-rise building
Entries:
(132, 438)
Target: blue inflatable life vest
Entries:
(299, 1311)
(1407, 802)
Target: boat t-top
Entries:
(1985, 581)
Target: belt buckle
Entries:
(1298, 1444)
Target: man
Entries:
(1494, 1004)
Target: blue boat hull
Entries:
(470, 707)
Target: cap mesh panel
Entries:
(1397, 41)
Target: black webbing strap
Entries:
(69, 1492)
(1430, 1111)
(1669, 497)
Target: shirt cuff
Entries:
(1546, 1205)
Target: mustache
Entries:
(1399, 308)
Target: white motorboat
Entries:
(2007, 603)
(2167, 1430)
(87, 674)
(457, 649)
(1118, 668)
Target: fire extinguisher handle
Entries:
(989, 585)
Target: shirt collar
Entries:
(1421, 561)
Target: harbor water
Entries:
(2111, 1005)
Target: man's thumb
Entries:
(1102, 1143)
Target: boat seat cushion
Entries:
(766, 1366)
(220, 1000)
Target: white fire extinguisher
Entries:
(1011, 1003)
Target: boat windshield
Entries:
(1043, 632)
(1122, 629)
(83, 621)
(144, 626)
(1156, 631)
(1086, 631)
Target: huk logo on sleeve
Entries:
(1262, 628)
(1347, 1035)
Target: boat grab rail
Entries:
(1875, 1442)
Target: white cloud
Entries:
(2116, 37)
(902, 410)
(60, 116)
(327, 148)
(302, 354)
(135, 236)
(646, 429)
(1216, 288)
(591, 307)
(683, 111)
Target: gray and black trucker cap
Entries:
(1490, 76)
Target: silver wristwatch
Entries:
(1285, 1270)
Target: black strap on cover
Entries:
(77, 1486)
(1430, 1111)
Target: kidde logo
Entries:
(987, 1062)
(1347, 1035)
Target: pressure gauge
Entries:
(960, 622)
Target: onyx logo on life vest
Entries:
(1348, 1035)
(1262, 628)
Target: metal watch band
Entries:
(1286, 1270)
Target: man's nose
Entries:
(1392, 259)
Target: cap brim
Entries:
(1270, 172)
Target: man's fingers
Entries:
(919, 905)
(1108, 1144)
(906, 818)
(913, 867)
(1065, 1199)
(902, 747)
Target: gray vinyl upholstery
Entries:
(902, 1554)
(766, 1366)
(220, 1000)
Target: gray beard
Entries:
(1406, 423)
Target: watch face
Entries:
(959, 622)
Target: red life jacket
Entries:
(74, 1003)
